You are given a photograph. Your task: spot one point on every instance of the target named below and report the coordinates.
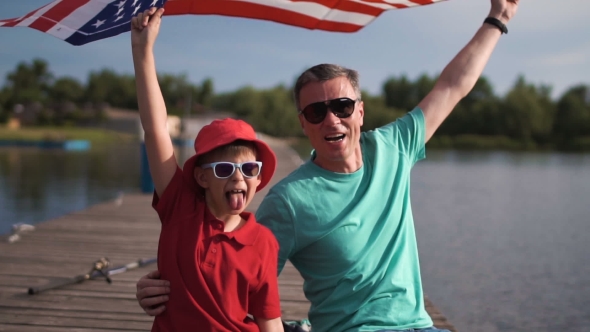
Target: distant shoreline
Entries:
(474, 143)
(40, 134)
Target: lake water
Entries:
(504, 238)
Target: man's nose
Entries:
(331, 118)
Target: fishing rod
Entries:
(100, 268)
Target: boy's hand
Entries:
(145, 27)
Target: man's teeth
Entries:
(335, 138)
(238, 191)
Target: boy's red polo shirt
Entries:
(216, 278)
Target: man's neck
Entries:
(349, 165)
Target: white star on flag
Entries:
(121, 4)
(135, 10)
(98, 23)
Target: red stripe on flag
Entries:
(255, 11)
(14, 21)
(56, 14)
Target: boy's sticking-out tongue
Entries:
(236, 199)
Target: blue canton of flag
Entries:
(112, 20)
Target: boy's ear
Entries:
(201, 177)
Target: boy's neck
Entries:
(232, 224)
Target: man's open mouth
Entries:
(335, 138)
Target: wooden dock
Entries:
(124, 232)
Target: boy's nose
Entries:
(237, 176)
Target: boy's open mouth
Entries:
(236, 198)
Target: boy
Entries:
(220, 262)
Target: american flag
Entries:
(82, 21)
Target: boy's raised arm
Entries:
(152, 110)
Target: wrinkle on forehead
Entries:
(314, 92)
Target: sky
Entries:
(548, 42)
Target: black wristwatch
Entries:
(497, 23)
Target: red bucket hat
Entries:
(222, 132)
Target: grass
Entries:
(94, 135)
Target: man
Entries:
(344, 218)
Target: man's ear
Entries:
(362, 111)
(302, 123)
(201, 177)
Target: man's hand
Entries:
(152, 293)
(145, 27)
(503, 10)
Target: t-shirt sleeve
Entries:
(264, 301)
(408, 133)
(175, 194)
(274, 214)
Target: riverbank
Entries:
(96, 136)
(475, 143)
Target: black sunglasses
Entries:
(316, 112)
(225, 169)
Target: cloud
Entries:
(572, 57)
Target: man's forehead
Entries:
(325, 90)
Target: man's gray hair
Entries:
(325, 72)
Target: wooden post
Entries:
(147, 183)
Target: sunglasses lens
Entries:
(224, 170)
(250, 169)
(342, 107)
(315, 113)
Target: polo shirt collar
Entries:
(248, 233)
(245, 236)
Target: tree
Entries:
(376, 112)
(475, 114)
(3, 110)
(206, 92)
(572, 118)
(401, 93)
(242, 102)
(106, 86)
(528, 112)
(66, 89)
(28, 83)
(176, 90)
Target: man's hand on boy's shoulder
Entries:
(145, 27)
(152, 293)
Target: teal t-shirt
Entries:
(351, 236)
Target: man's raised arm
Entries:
(152, 110)
(461, 74)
